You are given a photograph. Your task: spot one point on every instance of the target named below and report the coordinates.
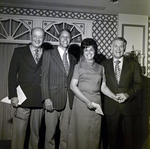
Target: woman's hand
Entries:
(90, 105)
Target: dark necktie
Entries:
(117, 71)
(37, 57)
(65, 62)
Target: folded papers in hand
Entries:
(21, 97)
(98, 108)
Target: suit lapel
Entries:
(71, 63)
(57, 58)
(110, 67)
(40, 62)
(27, 55)
(125, 68)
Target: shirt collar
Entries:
(120, 59)
(61, 51)
(33, 50)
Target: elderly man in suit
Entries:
(57, 70)
(123, 77)
(25, 70)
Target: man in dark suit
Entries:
(125, 81)
(56, 93)
(25, 70)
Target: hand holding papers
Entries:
(21, 97)
(98, 108)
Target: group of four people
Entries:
(67, 91)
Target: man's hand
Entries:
(122, 97)
(14, 101)
(116, 98)
(48, 105)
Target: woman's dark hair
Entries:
(88, 42)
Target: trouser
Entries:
(51, 121)
(20, 122)
(117, 123)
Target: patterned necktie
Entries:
(117, 71)
(37, 57)
(65, 62)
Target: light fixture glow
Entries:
(113, 1)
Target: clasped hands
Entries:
(121, 97)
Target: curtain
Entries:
(6, 111)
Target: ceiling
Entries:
(138, 7)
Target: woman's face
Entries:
(89, 53)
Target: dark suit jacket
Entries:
(25, 72)
(130, 83)
(55, 82)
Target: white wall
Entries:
(134, 28)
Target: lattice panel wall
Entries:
(104, 27)
(104, 32)
(148, 74)
(148, 51)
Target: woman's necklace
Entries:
(91, 63)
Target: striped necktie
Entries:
(117, 71)
(37, 57)
(65, 62)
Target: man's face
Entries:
(37, 38)
(64, 39)
(118, 48)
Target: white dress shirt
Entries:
(33, 51)
(120, 64)
(61, 52)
